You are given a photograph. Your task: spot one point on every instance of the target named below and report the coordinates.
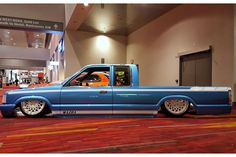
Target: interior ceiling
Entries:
(22, 38)
(122, 19)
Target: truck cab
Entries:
(118, 75)
(102, 95)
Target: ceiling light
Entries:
(8, 32)
(86, 4)
(37, 35)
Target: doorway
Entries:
(196, 69)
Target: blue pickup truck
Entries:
(121, 95)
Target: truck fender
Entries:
(33, 98)
(176, 97)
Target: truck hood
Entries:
(39, 89)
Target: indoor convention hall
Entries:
(117, 78)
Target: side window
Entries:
(92, 77)
(122, 76)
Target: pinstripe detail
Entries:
(33, 91)
(210, 89)
(151, 90)
(85, 90)
(193, 89)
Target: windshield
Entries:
(65, 80)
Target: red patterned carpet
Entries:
(190, 134)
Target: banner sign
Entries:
(15, 22)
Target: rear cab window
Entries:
(122, 76)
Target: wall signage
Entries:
(15, 22)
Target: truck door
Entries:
(128, 99)
(88, 93)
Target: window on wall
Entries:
(94, 77)
(122, 76)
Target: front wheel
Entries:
(33, 108)
(176, 107)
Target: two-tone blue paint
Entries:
(132, 99)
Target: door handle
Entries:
(103, 91)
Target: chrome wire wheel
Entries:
(32, 107)
(176, 106)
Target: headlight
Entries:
(4, 99)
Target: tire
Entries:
(175, 107)
(33, 108)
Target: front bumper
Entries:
(7, 109)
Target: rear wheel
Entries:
(33, 108)
(176, 107)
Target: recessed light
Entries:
(86, 4)
(37, 35)
(8, 32)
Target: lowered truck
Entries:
(122, 95)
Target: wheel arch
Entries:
(18, 101)
(184, 97)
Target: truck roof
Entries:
(108, 64)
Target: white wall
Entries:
(82, 48)
(186, 28)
